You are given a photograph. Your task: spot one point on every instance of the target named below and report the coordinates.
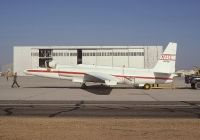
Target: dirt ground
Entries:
(31, 128)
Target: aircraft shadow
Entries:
(95, 89)
(99, 90)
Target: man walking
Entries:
(15, 80)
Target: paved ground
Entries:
(55, 109)
(35, 88)
(95, 109)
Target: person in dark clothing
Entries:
(15, 80)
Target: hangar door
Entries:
(72, 57)
(104, 57)
(120, 57)
(136, 58)
(34, 58)
(89, 57)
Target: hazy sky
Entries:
(101, 22)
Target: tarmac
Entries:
(44, 89)
(58, 98)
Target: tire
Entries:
(197, 85)
(193, 85)
(83, 86)
(147, 86)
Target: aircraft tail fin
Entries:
(167, 61)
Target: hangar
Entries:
(26, 57)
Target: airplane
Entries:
(163, 72)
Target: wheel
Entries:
(147, 86)
(83, 86)
(193, 85)
(197, 85)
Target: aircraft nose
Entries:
(27, 72)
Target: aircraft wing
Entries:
(101, 77)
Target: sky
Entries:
(102, 22)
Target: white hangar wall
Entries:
(29, 57)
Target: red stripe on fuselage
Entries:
(82, 73)
(49, 71)
(142, 77)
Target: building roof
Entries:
(83, 47)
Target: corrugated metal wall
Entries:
(138, 57)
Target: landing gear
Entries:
(147, 86)
(83, 86)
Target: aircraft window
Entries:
(134, 54)
(93, 54)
